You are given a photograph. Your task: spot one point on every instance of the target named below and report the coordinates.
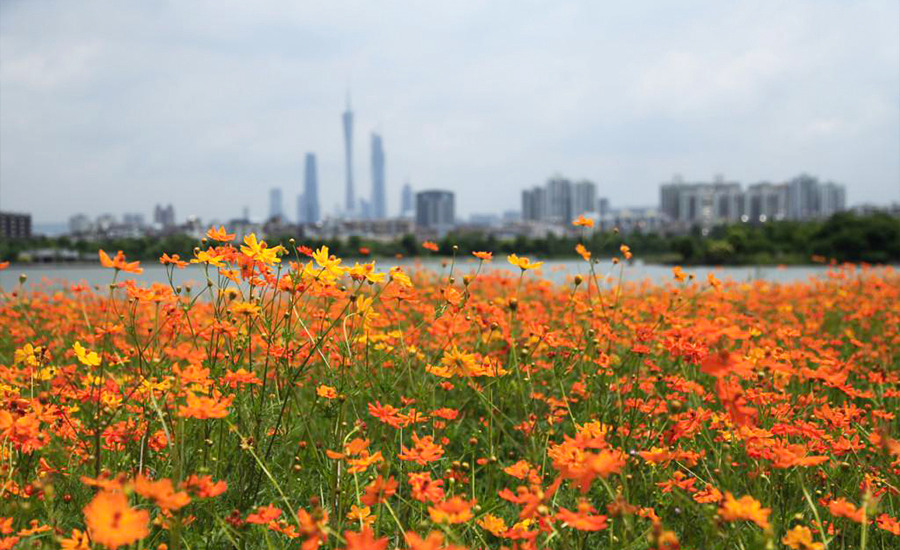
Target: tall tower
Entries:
(311, 191)
(379, 208)
(350, 199)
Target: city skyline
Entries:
(482, 109)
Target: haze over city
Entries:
(119, 106)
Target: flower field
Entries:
(297, 401)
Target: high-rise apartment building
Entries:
(708, 204)
(164, 215)
(832, 199)
(311, 213)
(584, 198)
(350, 197)
(14, 225)
(534, 204)
(559, 201)
(803, 194)
(435, 210)
(764, 202)
(379, 208)
(702, 203)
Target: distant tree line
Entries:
(842, 237)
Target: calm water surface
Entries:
(556, 270)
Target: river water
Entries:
(556, 270)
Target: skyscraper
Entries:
(311, 191)
(349, 199)
(379, 208)
(301, 209)
(275, 210)
(406, 201)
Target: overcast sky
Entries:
(115, 106)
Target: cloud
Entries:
(117, 106)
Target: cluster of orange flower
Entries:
(294, 400)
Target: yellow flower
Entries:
(362, 515)
(259, 251)
(87, 358)
(28, 355)
(245, 308)
(523, 263)
(329, 266)
(209, 257)
(492, 524)
(398, 275)
(365, 272)
(326, 392)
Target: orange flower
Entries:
(708, 495)
(112, 522)
(264, 514)
(379, 491)
(174, 259)
(425, 450)
(800, 538)
(583, 222)
(162, 492)
(78, 541)
(204, 486)
(492, 524)
(220, 234)
(584, 519)
(788, 456)
(326, 392)
(119, 263)
(313, 526)
(842, 508)
(428, 245)
(744, 508)
(425, 489)
(583, 252)
(357, 456)
(888, 523)
(454, 510)
(486, 256)
(364, 540)
(202, 407)
(714, 282)
(582, 467)
(435, 541)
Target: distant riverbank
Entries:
(843, 237)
